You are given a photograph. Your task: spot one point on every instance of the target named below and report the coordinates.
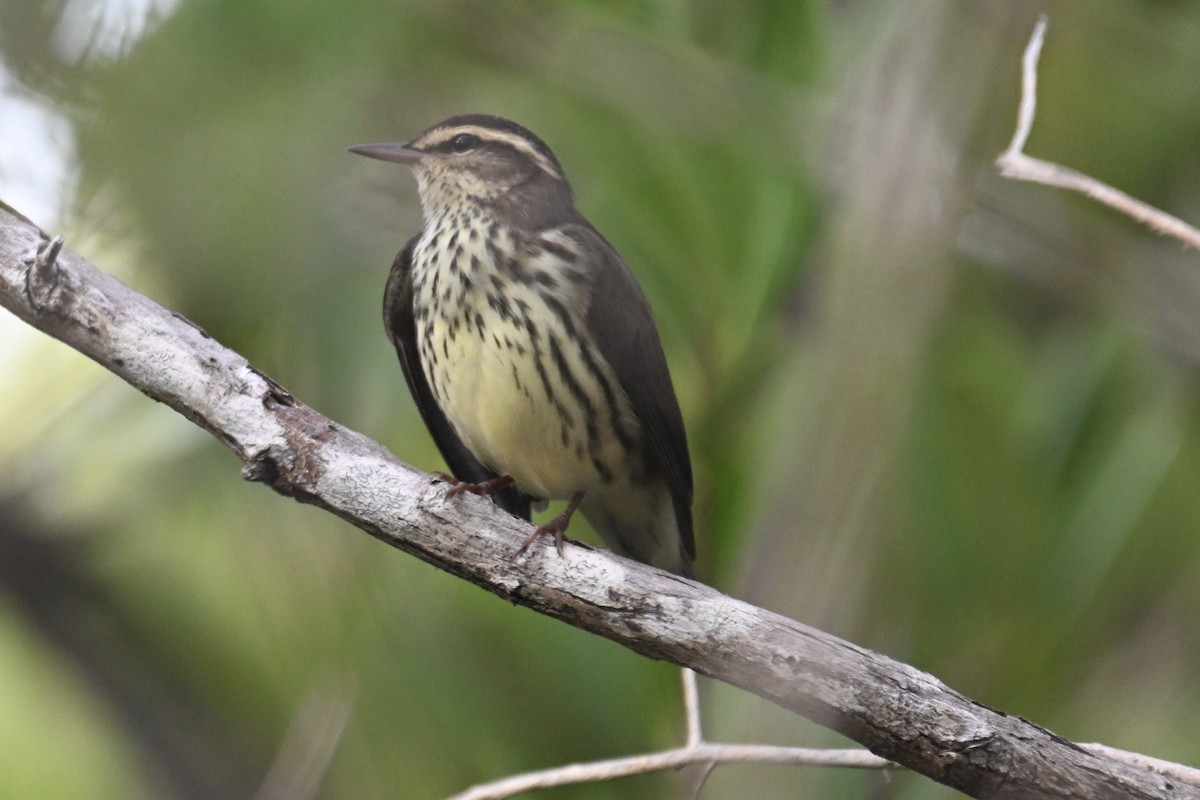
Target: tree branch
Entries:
(1014, 164)
(702, 753)
(896, 711)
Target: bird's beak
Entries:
(397, 152)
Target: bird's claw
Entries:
(557, 527)
(487, 488)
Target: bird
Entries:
(529, 348)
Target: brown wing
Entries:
(620, 323)
(401, 327)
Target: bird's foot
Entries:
(557, 527)
(487, 488)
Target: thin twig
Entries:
(1028, 108)
(672, 759)
(691, 707)
(695, 752)
(1014, 164)
(695, 735)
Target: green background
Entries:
(949, 417)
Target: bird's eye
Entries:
(464, 142)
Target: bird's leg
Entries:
(556, 526)
(487, 488)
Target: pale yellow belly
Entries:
(497, 401)
(503, 391)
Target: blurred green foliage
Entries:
(948, 417)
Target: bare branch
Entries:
(695, 752)
(1167, 769)
(691, 705)
(896, 711)
(1013, 163)
(671, 759)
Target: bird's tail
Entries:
(639, 522)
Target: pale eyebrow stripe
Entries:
(517, 142)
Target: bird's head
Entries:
(476, 159)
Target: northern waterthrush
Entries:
(529, 347)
